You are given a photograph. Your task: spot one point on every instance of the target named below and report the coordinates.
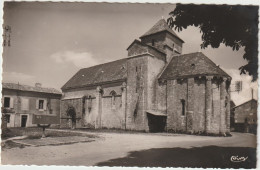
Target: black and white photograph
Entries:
(147, 85)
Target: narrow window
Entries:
(113, 99)
(7, 102)
(41, 102)
(152, 42)
(183, 107)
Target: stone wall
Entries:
(96, 107)
(199, 105)
(193, 92)
(249, 109)
(176, 92)
(66, 121)
(164, 42)
(173, 42)
(159, 40)
(136, 118)
(155, 67)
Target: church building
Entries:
(155, 88)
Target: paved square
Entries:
(114, 145)
(53, 140)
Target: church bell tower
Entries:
(162, 37)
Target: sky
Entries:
(51, 41)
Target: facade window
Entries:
(7, 102)
(25, 104)
(41, 103)
(7, 118)
(183, 107)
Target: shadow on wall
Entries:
(205, 157)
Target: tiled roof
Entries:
(252, 100)
(160, 26)
(21, 87)
(107, 72)
(193, 64)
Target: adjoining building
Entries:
(155, 88)
(20, 102)
(232, 116)
(245, 117)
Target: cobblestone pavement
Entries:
(113, 145)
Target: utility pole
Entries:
(7, 36)
(252, 92)
(6, 42)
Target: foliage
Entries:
(234, 26)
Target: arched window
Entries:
(89, 103)
(113, 99)
(182, 107)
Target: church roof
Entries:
(189, 65)
(161, 26)
(107, 72)
(14, 86)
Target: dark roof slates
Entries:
(160, 26)
(193, 64)
(106, 72)
(21, 87)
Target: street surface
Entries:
(116, 145)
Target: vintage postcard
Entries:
(129, 84)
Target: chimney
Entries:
(38, 85)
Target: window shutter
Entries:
(11, 102)
(44, 104)
(37, 103)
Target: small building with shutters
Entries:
(154, 88)
(20, 102)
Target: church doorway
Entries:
(156, 123)
(72, 114)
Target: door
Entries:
(23, 120)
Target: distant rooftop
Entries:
(21, 87)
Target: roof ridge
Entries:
(104, 63)
(17, 86)
(26, 85)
